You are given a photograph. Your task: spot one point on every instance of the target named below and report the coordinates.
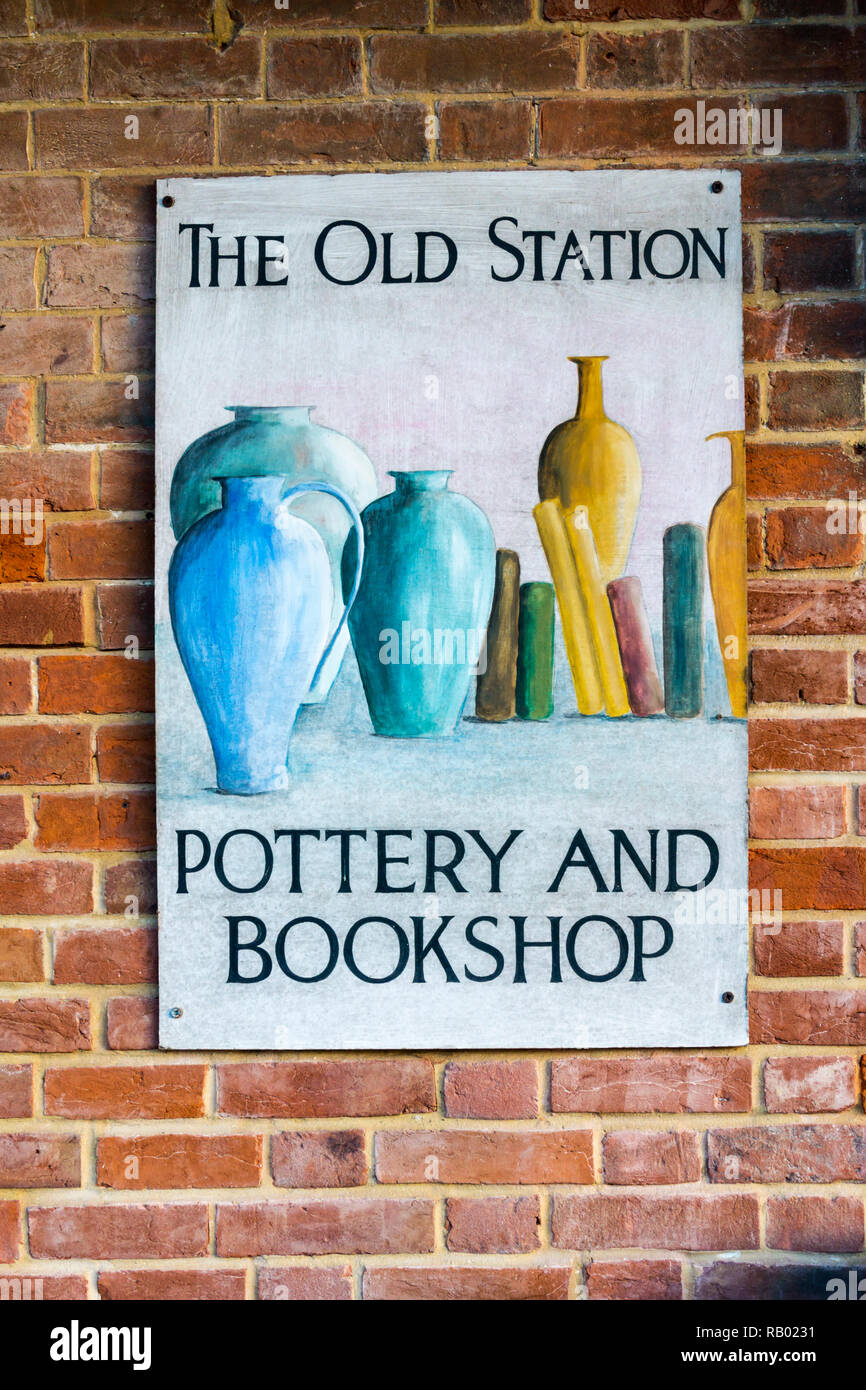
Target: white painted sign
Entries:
(450, 611)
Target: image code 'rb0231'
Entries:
(450, 593)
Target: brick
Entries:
(860, 814)
(13, 140)
(16, 1091)
(123, 206)
(662, 1223)
(126, 481)
(366, 14)
(124, 611)
(799, 948)
(16, 409)
(319, 1158)
(125, 753)
(80, 16)
(809, 1085)
(171, 1231)
(40, 1160)
(799, 676)
(635, 60)
(467, 12)
(646, 9)
(297, 1283)
(101, 549)
(61, 479)
(105, 956)
(315, 67)
(93, 137)
(10, 1226)
(350, 1226)
(778, 191)
(816, 401)
(829, 879)
(40, 343)
(41, 71)
(37, 888)
(13, 821)
(637, 1085)
(836, 329)
(485, 1156)
(46, 1287)
(527, 61)
(797, 813)
(484, 130)
(799, 1283)
(131, 1024)
(170, 1285)
(492, 1225)
(817, 54)
(16, 696)
(809, 123)
(103, 684)
(808, 608)
(602, 126)
(860, 948)
(321, 1089)
(179, 1160)
(20, 956)
(647, 1280)
(860, 678)
(48, 206)
(822, 1018)
(637, 1158)
(162, 69)
(13, 17)
(95, 821)
(787, 1153)
(17, 286)
(97, 412)
(795, 261)
(819, 745)
(128, 343)
(100, 277)
(527, 1283)
(48, 617)
(336, 133)
(130, 879)
(157, 1092)
(44, 1025)
(22, 558)
(491, 1090)
(44, 753)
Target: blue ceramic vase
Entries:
(420, 616)
(250, 596)
(284, 440)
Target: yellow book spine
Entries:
(597, 605)
(575, 623)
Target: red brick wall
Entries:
(600, 1175)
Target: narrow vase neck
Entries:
(421, 480)
(590, 401)
(259, 494)
(737, 441)
(272, 414)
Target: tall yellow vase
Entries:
(589, 461)
(726, 560)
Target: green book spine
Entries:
(535, 652)
(684, 550)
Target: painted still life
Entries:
(451, 611)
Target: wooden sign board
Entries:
(450, 596)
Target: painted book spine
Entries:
(495, 687)
(597, 607)
(684, 549)
(572, 612)
(639, 668)
(534, 695)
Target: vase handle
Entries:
(359, 536)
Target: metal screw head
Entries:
(175, 1013)
(168, 201)
(715, 187)
(728, 997)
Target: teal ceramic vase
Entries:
(280, 440)
(420, 616)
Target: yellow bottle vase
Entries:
(726, 561)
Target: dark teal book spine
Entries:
(684, 550)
